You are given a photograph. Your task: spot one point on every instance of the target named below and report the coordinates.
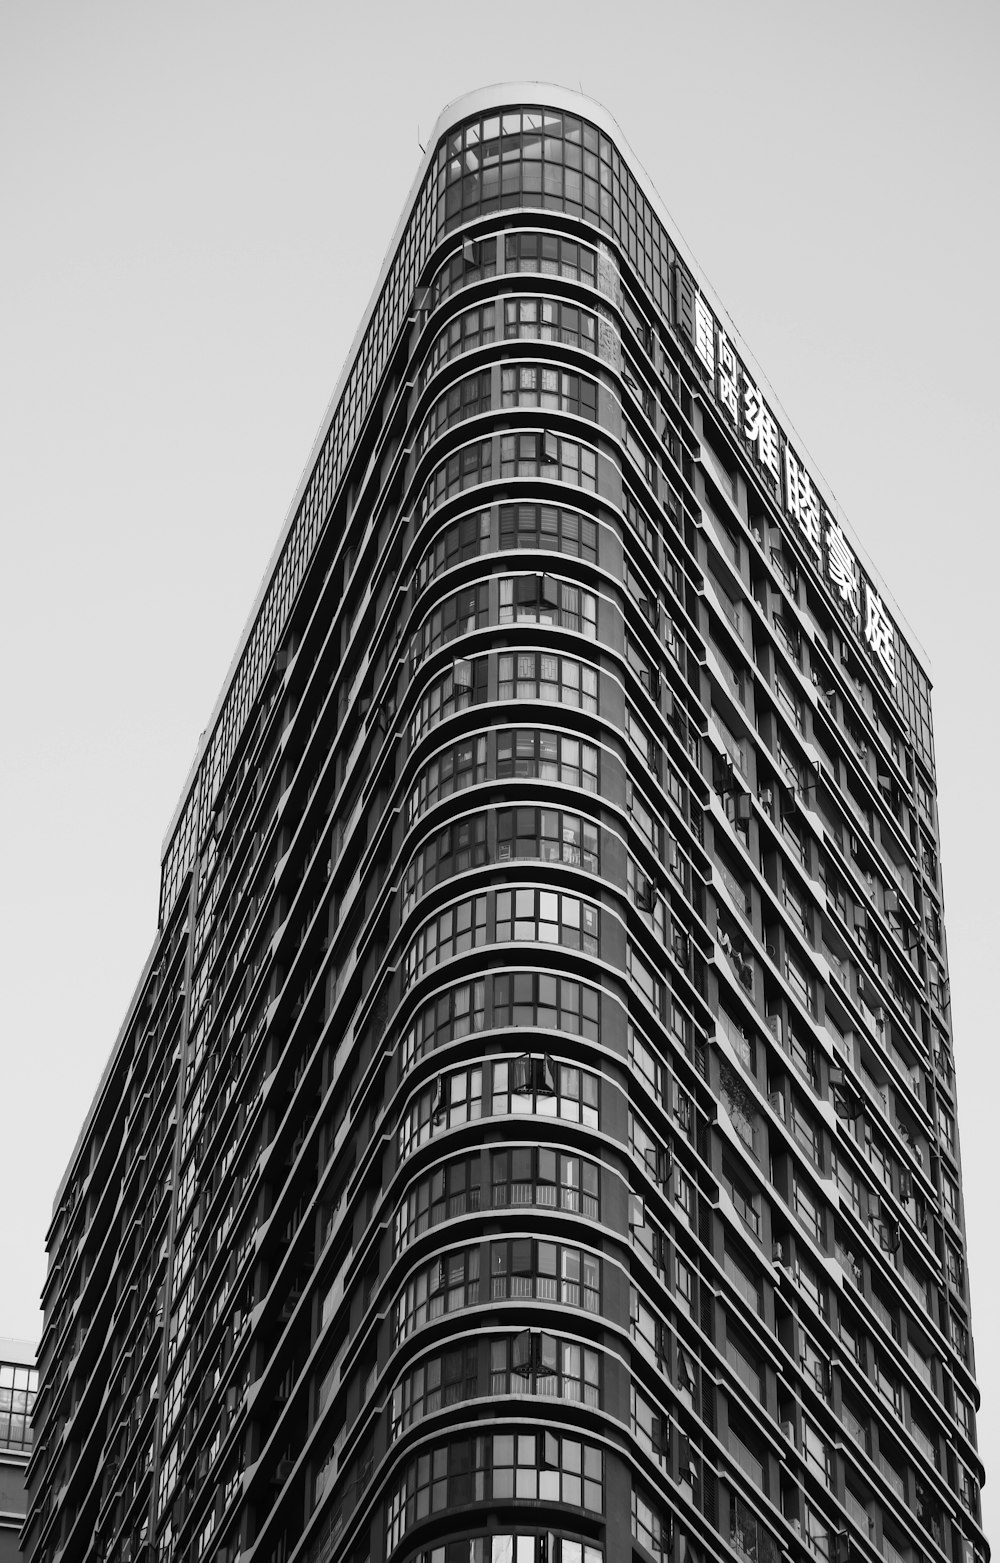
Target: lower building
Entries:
(18, 1387)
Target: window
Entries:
(787, 697)
(747, 1458)
(549, 1272)
(438, 1381)
(799, 980)
(802, 1053)
(744, 1361)
(547, 755)
(460, 766)
(856, 1424)
(541, 676)
(548, 1467)
(536, 1363)
(532, 455)
(550, 254)
(649, 1527)
(644, 980)
(806, 1132)
(550, 320)
(536, 1175)
(448, 1284)
(575, 1097)
(538, 385)
(464, 684)
(469, 466)
(505, 1547)
(549, 834)
(449, 1015)
(465, 399)
(797, 906)
(749, 1536)
(744, 1198)
(808, 1208)
(743, 1046)
(452, 850)
(745, 1280)
(537, 1467)
(447, 1192)
(789, 636)
(542, 599)
(548, 917)
(459, 927)
(459, 614)
(466, 265)
(548, 527)
(649, 537)
(683, 1284)
(795, 838)
(816, 1451)
(452, 1099)
(463, 334)
(656, 1156)
(808, 1282)
(643, 817)
(649, 1426)
(540, 999)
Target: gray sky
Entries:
(195, 201)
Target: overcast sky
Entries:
(194, 204)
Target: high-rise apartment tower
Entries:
(533, 1136)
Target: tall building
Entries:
(533, 1136)
(18, 1386)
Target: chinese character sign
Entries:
(704, 334)
(801, 499)
(842, 570)
(879, 631)
(760, 427)
(728, 392)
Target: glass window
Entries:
(447, 1192)
(453, 769)
(548, 917)
(539, 1175)
(464, 539)
(549, 1272)
(454, 1098)
(541, 676)
(569, 1092)
(543, 599)
(462, 334)
(454, 1013)
(545, 1001)
(537, 1363)
(550, 834)
(532, 455)
(550, 320)
(448, 1284)
(457, 928)
(547, 755)
(549, 527)
(465, 399)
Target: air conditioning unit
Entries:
(777, 1103)
(788, 1431)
